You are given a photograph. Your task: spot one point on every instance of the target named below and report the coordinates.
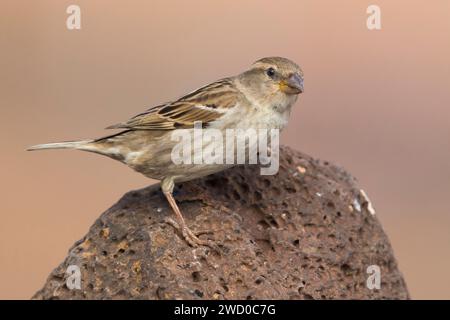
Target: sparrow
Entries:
(260, 97)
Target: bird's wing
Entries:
(205, 105)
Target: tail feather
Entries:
(61, 145)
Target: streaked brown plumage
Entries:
(260, 97)
(183, 112)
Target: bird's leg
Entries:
(167, 186)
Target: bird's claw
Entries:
(191, 238)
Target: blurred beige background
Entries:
(376, 102)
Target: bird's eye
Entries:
(270, 72)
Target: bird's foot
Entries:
(190, 237)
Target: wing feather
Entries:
(206, 104)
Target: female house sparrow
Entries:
(260, 97)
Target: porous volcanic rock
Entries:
(306, 233)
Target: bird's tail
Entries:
(82, 145)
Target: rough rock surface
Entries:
(306, 233)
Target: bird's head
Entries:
(274, 78)
(280, 74)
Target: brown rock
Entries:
(305, 233)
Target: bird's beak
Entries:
(293, 85)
